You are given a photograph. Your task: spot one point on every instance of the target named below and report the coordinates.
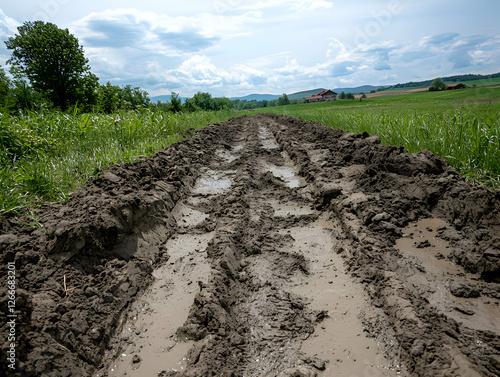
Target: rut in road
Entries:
(272, 296)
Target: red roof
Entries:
(321, 93)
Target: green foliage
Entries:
(108, 98)
(133, 98)
(283, 100)
(54, 63)
(437, 85)
(45, 155)
(342, 95)
(252, 104)
(112, 98)
(349, 96)
(4, 88)
(175, 103)
(204, 101)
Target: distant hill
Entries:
(165, 98)
(448, 79)
(358, 89)
(257, 97)
(304, 94)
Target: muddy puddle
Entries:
(149, 339)
(340, 338)
(267, 138)
(213, 182)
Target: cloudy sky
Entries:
(238, 47)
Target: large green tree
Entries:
(54, 62)
(437, 84)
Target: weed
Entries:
(46, 155)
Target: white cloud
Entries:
(8, 28)
(304, 5)
(294, 5)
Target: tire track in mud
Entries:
(263, 246)
(274, 298)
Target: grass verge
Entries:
(45, 156)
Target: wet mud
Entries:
(261, 246)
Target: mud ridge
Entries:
(390, 189)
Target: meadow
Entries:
(46, 155)
(462, 126)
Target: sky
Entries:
(238, 47)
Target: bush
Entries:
(437, 85)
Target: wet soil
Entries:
(261, 246)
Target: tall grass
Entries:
(44, 156)
(461, 126)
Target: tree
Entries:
(283, 100)
(175, 103)
(4, 88)
(349, 96)
(54, 63)
(109, 97)
(23, 95)
(437, 84)
(200, 100)
(342, 95)
(133, 98)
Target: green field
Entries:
(462, 126)
(470, 83)
(478, 83)
(44, 156)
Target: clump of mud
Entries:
(286, 209)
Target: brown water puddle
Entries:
(267, 138)
(213, 182)
(149, 333)
(339, 338)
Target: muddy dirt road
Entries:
(262, 246)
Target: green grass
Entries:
(481, 82)
(462, 126)
(470, 83)
(45, 156)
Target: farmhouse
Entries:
(456, 86)
(325, 95)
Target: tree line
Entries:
(456, 78)
(254, 104)
(48, 70)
